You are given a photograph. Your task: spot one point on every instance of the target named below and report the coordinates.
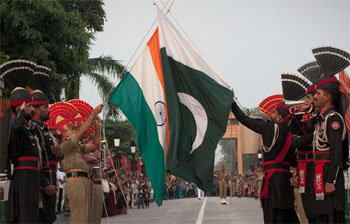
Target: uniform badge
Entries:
(335, 125)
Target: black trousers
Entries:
(24, 196)
(274, 215)
(48, 212)
(332, 217)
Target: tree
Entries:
(122, 130)
(43, 32)
(90, 11)
(94, 70)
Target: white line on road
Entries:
(201, 212)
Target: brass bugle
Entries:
(295, 108)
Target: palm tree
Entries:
(96, 68)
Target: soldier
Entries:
(50, 156)
(78, 184)
(222, 178)
(302, 127)
(277, 197)
(24, 153)
(233, 185)
(328, 153)
(97, 191)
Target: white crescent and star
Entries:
(200, 117)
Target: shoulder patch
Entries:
(335, 125)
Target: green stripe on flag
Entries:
(130, 99)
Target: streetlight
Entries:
(259, 153)
(133, 151)
(116, 144)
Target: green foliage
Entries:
(91, 11)
(122, 130)
(44, 32)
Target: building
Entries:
(241, 144)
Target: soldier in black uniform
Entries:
(329, 147)
(50, 156)
(277, 196)
(302, 124)
(24, 153)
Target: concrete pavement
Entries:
(183, 211)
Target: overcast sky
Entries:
(249, 42)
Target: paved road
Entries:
(183, 211)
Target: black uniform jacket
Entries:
(280, 191)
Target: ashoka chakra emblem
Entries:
(159, 108)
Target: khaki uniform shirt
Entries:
(73, 158)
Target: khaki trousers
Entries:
(223, 189)
(96, 203)
(78, 192)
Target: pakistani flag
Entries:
(178, 105)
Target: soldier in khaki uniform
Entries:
(233, 185)
(222, 177)
(78, 185)
(96, 205)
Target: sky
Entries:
(249, 42)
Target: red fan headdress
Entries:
(84, 111)
(345, 89)
(268, 105)
(60, 117)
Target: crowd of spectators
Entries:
(134, 191)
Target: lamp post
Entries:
(259, 154)
(133, 152)
(116, 144)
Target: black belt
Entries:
(305, 156)
(322, 156)
(276, 166)
(27, 164)
(72, 174)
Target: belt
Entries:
(322, 156)
(305, 156)
(276, 166)
(27, 163)
(50, 166)
(77, 173)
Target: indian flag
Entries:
(178, 105)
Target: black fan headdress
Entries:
(40, 78)
(331, 60)
(294, 88)
(17, 73)
(312, 71)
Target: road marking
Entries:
(201, 212)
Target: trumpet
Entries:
(301, 108)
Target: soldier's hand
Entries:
(329, 188)
(23, 105)
(294, 181)
(98, 109)
(50, 190)
(98, 122)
